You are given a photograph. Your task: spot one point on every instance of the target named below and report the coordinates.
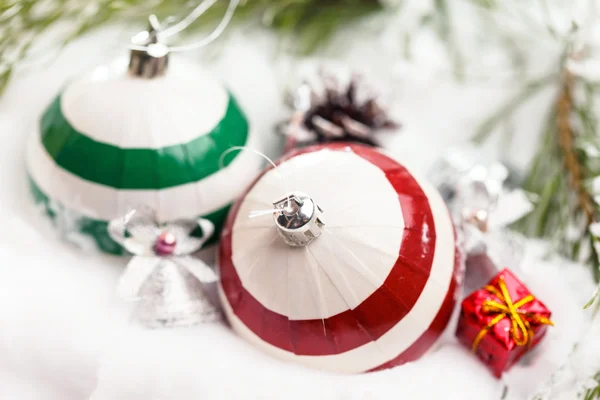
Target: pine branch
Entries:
(571, 161)
(310, 22)
(561, 170)
(574, 162)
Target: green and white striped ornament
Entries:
(112, 141)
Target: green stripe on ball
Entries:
(137, 168)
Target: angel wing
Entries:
(187, 244)
(198, 268)
(136, 231)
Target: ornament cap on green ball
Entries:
(151, 61)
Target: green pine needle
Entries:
(530, 89)
(593, 393)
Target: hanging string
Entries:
(242, 148)
(260, 213)
(256, 213)
(216, 33)
(187, 21)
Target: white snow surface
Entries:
(64, 334)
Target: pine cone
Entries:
(336, 116)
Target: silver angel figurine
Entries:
(484, 201)
(162, 277)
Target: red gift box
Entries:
(502, 321)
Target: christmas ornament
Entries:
(483, 203)
(486, 212)
(339, 259)
(502, 321)
(148, 131)
(162, 277)
(336, 113)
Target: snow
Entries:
(65, 335)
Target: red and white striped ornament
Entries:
(375, 289)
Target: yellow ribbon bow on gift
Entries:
(520, 321)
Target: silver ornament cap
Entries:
(297, 218)
(153, 59)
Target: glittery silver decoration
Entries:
(458, 162)
(163, 278)
(482, 205)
